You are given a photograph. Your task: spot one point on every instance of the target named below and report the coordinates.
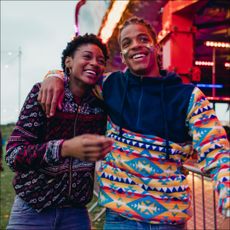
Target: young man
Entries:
(156, 122)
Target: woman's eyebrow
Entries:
(90, 52)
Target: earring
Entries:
(67, 71)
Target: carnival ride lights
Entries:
(210, 63)
(204, 63)
(217, 44)
(214, 46)
(227, 64)
(113, 18)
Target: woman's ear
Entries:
(69, 62)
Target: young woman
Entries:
(53, 158)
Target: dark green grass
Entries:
(7, 192)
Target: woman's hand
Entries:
(87, 147)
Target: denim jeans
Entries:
(23, 217)
(114, 221)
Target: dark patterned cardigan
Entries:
(42, 177)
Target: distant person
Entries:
(54, 158)
(1, 151)
(157, 122)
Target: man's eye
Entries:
(144, 39)
(125, 44)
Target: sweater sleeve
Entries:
(26, 148)
(211, 143)
(97, 89)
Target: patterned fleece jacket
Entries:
(157, 122)
(42, 177)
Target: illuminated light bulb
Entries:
(204, 63)
(227, 64)
(217, 44)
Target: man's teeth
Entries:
(138, 56)
(90, 72)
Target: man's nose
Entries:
(135, 44)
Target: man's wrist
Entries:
(55, 73)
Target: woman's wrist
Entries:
(65, 149)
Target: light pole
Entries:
(214, 71)
(16, 54)
(19, 77)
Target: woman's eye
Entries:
(87, 56)
(101, 61)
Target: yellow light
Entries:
(113, 18)
(217, 44)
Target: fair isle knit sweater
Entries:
(43, 178)
(156, 124)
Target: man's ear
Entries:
(123, 59)
(69, 62)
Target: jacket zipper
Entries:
(71, 159)
(139, 103)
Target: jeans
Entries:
(23, 217)
(114, 221)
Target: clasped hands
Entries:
(87, 147)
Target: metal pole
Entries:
(194, 201)
(77, 9)
(19, 78)
(203, 201)
(214, 71)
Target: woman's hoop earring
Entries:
(67, 71)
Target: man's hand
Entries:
(87, 147)
(51, 95)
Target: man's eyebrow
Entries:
(140, 34)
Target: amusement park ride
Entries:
(194, 36)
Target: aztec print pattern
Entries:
(210, 141)
(43, 178)
(138, 182)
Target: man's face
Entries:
(138, 52)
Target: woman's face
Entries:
(87, 64)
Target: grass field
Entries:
(7, 192)
(6, 195)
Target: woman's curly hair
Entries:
(78, 41)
